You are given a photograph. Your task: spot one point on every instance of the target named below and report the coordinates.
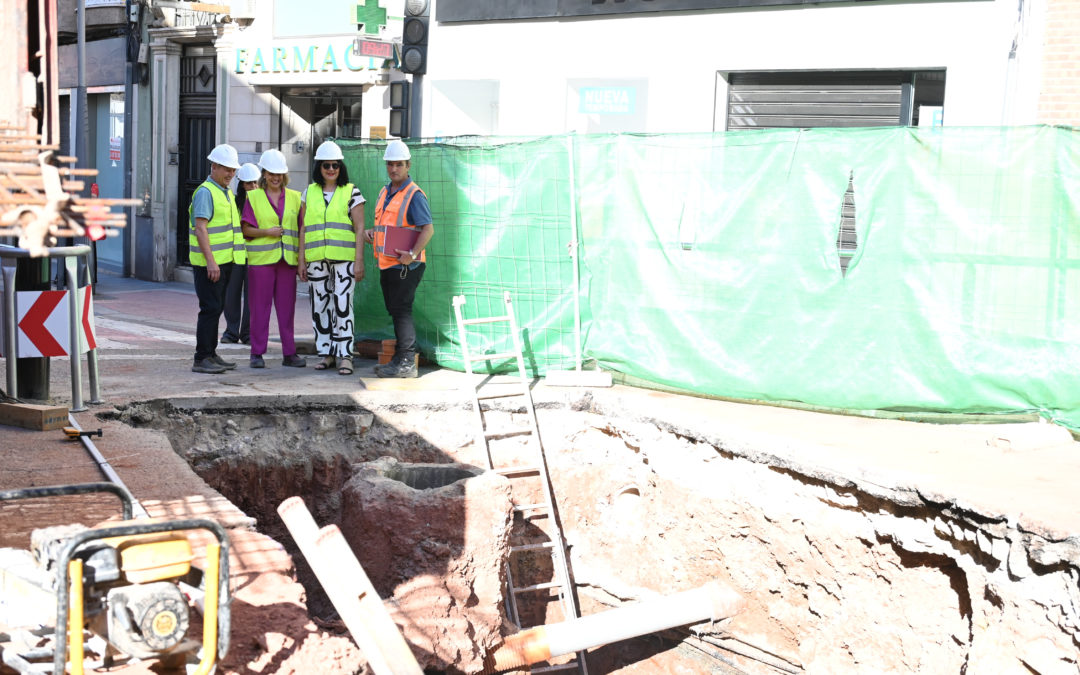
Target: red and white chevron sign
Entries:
(44, 327)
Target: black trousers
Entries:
(237, 316)
(211, 296)
(398, 295)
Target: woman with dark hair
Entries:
(237, 316)
(331, 255)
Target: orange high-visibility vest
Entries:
(393, 215)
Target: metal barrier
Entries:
(70, 254)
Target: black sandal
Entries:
(345, 366)
(327, 363)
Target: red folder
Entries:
(400, 239)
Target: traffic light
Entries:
(399, 109)
(414, 37)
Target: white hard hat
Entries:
(328, 150)
(248, 172)
(395, 151)
(225, 155)
(274, 162)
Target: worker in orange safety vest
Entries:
(402, 204)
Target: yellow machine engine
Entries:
(131, 585)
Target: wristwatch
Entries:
(412, 255)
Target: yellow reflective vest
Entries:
(328, 229)
(226, 238)
(269, 250)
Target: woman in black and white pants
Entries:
(331, 255)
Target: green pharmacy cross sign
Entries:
(370, 16)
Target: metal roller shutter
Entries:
(818, 99)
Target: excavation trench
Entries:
(839, 575)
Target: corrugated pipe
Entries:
(712, 601)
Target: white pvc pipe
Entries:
(350, 590)
(710, 602)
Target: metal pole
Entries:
(574, 245)
(129, 163)
(416, 109)
(82, 128)
(92, 374)
(71, 266)
(91, 353)
(11, 346)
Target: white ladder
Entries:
(537, 511)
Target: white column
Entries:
(165, 107)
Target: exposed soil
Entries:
(840, 573)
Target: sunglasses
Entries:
(331, 165)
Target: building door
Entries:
(311, 115)
(197, 105)
(107, 146)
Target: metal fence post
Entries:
(10, 334)
(71, 267)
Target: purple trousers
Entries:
(272, 285)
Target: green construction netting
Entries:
(709, 262)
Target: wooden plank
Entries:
(31, 416)
(351, 592)
(31, 167)
(26, 147)
(23, 200)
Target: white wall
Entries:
(530, 63)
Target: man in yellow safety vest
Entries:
(215, 245)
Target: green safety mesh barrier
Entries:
(502, 223)
(709, 262)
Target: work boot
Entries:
(388, 366)
(227, 365)
(404, 368)
(207, 365)
(294, 361)
(257, 362)
(229, 339)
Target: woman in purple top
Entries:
(271, 223)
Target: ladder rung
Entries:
(532, 547)
(500, 356)
(530, 507)
(572, 665)
(538, 587)
(506, 433)
(486, 397)
(516, 470)
(486, 319)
